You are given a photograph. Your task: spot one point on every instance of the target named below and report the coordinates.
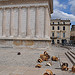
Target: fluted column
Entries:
(44, 20)
(37, 29)
(12, 23)
(28, 23)
(35, 21)
(47, 24)
(4, 23)
(19, 21)
(1, 22)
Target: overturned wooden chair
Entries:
(38, 66)
(48, 72)
(73, 69)
(40, 60)
(64, 66)
(45, 56)
(54, 58)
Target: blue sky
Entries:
(64, 9)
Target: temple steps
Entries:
(71, 56)
(64, 59)
(72, 52)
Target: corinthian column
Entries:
(4, 23)
(28, 23)
(47, 24)
(19, 21)
(36, 23)
(11, 22)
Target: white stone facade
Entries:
(24, 22)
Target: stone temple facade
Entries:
(25, 23)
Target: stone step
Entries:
(70, 58)
(64, 59)
(71, 54)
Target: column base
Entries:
(26, 43)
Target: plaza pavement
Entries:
(24, 64)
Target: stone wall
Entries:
(25, 25)
(25, 43)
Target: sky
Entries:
(64, 9)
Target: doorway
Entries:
(53, 41)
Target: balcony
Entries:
(59, 24)
(72, 37)
(53, 37)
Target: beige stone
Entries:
(58, 34)
(26, 20)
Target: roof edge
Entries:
(51, 6)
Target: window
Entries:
(53, 28)
(63, 27)
(64, 35)
(63, 22)
(52, 34)
(58, 41)
(58, 22)
(53, 22)
(53, 41)
(58, 28)
(58, 34)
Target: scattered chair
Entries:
(38, 66)
(64, 66)
(54, 58)
(48, 72)
(45, 74)
(49, 64)
(73, 69)
(40, 60)
(45, 56)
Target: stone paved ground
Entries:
(24, 64)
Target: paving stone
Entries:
(12, 64)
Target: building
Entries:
(25, 22)
(73, 33)
(60, 31)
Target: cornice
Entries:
(45, 6)
(51, 6)
(15, 2)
